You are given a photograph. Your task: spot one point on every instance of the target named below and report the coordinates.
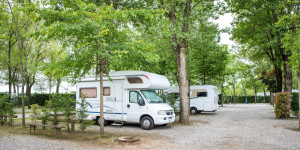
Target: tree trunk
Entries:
(245, 92)
(272, 98)
(50, 88)
(184, 107)
(9, 71)
(58, 85)
(101, 100)
(299, 93)
(288, 76)
(264, 94)
(28, 93)
(255, 91)
(278, 73)
(9, 74)
(233, 90)
(222, 102)
(189, 89)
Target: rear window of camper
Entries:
(201, 94)
(88, 92)
(134, 80)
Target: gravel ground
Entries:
(240, 126)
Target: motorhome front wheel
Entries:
(147, 123)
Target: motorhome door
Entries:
(134, 110)
(118, 101)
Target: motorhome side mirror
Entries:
(141, 102)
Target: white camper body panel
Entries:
(117, 106)
(203, 98)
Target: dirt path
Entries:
(240, 126)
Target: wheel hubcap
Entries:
(146, 123)
(193, 111)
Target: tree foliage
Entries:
(258, 26)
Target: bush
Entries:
(45, 115)
(55, 106)
(35, 112)
(82, 114)
(6, 110)
(282, 104)
(68, 109)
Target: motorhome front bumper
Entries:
(164, 119)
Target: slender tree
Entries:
(94, 31)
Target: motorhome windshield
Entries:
(152, 97)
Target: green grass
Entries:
(18, 110)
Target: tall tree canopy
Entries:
(257, 25)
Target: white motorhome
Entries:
(129, 97)
(202, 98)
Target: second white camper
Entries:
(129, 96)
(202, 98)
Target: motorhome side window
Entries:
(134, 96)
(88, 92)
(201, 94)
(134, 80)
(106, 91)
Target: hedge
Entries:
(39, 99)
(282, 104)
(250, 99)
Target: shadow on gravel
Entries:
(198, 122)
(292, 129)
(207, 113)
(138, 127)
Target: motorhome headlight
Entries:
(162, 112)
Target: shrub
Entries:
(45, 115)
(55, 107)
(82, 114)
(11, 114)
(6, 110)
(282, 105)
(35, 112)
(68, 109)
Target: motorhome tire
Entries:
(98, 121)
(147, 123)
(193, 111)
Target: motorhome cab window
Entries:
(152, 97)
(88, 92)
(134, 80)
(106, 91)
(201, 94)
(134, 96)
